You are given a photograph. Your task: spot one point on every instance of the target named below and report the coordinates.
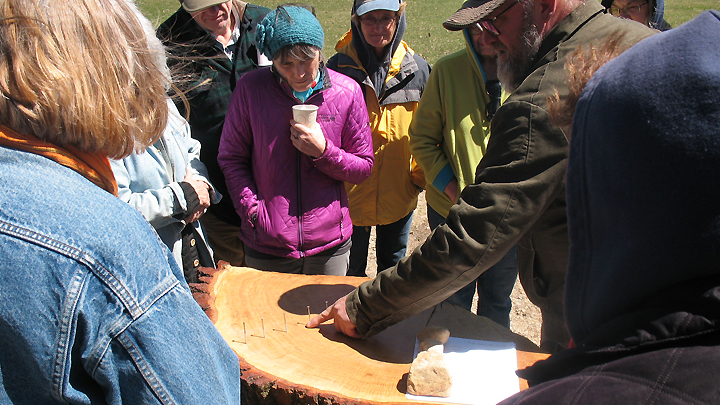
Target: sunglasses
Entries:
(489, 25)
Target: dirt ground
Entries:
(524, 318)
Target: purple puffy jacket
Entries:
(301, 203)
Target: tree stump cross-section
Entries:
(262, 317)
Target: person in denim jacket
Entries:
(90, 298)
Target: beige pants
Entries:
(223, 239)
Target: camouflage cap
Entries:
(471, 12)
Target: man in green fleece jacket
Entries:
(519, 192)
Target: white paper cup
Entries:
(305, 114)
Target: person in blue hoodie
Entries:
(648, 12)
(643, 284)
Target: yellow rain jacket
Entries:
(390, 193)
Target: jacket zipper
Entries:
(299, 205)
(165, 154)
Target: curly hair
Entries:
(580, 66)
(85, 73)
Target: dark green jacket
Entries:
(208, 77)
(518, 198)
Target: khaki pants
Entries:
(223, 239)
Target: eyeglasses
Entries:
(489, 25)
(383, 22)
(475, 29)
(631, 9)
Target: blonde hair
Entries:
(86, 73)
(580, 66)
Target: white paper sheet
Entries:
(482, 372)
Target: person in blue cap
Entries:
(393, 77)
(643, 282)
(287, 179)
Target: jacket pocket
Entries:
(274, 228)
(531, 278)
(254, 220)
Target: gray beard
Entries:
(512, 71)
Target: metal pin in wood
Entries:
(326, 306)
(308, 313)
(285, 322)
(245, 333)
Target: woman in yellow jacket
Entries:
(392, 78)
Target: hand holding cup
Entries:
(305, 134)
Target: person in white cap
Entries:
(393, 77)
(211, 45)
(519, 192)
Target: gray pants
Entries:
(331, 265)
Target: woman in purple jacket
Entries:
(285, 178)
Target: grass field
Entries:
(425, 32)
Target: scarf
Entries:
(93, 166)
(316, 85)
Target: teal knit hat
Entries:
(288, 25)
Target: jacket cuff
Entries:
(326, 152)
(443, 178)
(192, 200)
(351, 307)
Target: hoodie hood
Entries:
(657, 19)
(377, 70)
(473, 55)
(643, 182)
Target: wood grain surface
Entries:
(262, 316)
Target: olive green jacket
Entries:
(518, 198)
